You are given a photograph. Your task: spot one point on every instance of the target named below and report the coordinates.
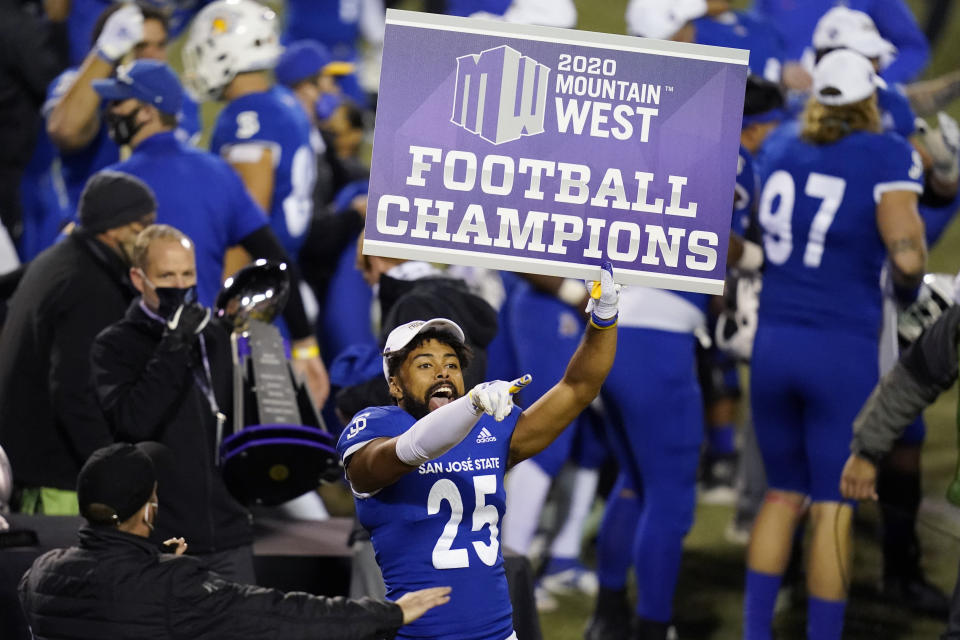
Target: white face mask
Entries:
(146, 514)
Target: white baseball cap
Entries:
(844, 77)
(402, 335)
(662, 18)
(845, 28)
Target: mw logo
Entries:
(500, 95)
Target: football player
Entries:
(723, 27)
(73, 109)
(428, 473)
(231, 47)
(903, 580)
(796, 21)
(840, 199)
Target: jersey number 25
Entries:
(444, 555)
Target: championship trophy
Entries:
(279, 447)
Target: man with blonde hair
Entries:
(164, 373)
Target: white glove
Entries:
(121, 33)
(604, 297)
(496, 398)
(737, 327)
(942, 144)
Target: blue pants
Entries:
(544, 333)
(806, 387)
(656, 434)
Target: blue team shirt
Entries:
(334, 23)
(78, 165)
(745, 30)
(795, 20)
(439, 525)
(201, 195)
(745, 193)
(896, 111)
(823, 251)
(467, 8)
(276, 120)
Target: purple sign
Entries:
(550, 150)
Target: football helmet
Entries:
(936, 296)
(226, 38)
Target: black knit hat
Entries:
(113, 199)
(120, 477)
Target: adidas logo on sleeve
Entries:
(485, 436)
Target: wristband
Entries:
(600, 323)
(306, 353)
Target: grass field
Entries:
(710, 595)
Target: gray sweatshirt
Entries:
(923, 372)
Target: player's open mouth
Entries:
(441, 395)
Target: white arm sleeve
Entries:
(437, 432)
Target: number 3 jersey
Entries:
(274, 120)
(824, 253)
(439, 526)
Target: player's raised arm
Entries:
(545, 419)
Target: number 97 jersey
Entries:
(439, 525)
(823, 251)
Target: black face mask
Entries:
(171, 298)
(122, 128)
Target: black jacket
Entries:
(27, 65)
(403, 301)
(149, 390)
(49, 419)
(118, 586)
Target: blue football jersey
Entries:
(275, 120)
(745, 193)
(198, 193)
(78, 165)
(745, 30)
(896, 111)
(795, 21)
(334, 23)
(823, 251)
(439, 526)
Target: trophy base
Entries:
(272, 464)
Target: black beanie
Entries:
(121, 477)
(113, 199)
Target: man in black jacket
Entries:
(117, 584)
(49, 419)
(164, 373)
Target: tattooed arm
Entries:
(902, 231)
